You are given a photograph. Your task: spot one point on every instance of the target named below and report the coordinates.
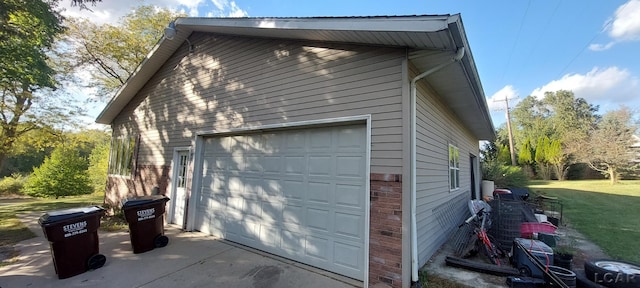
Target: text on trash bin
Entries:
(146, 214)
(75, 229)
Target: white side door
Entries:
(179, 193)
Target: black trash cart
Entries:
(73, 239)
(145, 215)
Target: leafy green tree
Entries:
(559, 116)
(111, 53)
(28, 29)
(98, 165)
(541, 158)
(64, 173)
(525, 157)
(557, 158)
(608, 146)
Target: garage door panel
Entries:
(272, 212)
(252, 207)
(350, 139)
(292, 214)
(317, 247)
(295, 165)
(253, 163)
(349, 195)
(350, 166)
(293, 189)
(291, 241)
(250, 231)
(270, 236)
(272, 188)
(295, 141)
(299, 194)
(319, 192)
(272, 164)
(318, 219)
(321, 139)
(347, 255)
(347, 225)
(320, 165)
(253, 186)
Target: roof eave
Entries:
(295, 28)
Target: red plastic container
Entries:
(528, 228)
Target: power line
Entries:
(513, 48)
(607, 25)
(535, 43)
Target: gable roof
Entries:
(432, 39)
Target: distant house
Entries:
(348, 143)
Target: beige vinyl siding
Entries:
(231, 82)
(437, 127)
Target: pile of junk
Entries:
(510, 234)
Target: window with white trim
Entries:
(454, 167)
(121, 155)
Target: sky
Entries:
(521, 47)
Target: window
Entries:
(121, 156)
(182, 169)
(454, 167)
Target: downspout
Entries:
(414, 225)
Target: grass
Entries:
(609, 215)
(13, 231)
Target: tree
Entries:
(28, 29)
(559, 116)
(607, 147)
(64, 173)
(111, 53)
(541, 158)
(98, 165)
(557, 158)
(525, 157)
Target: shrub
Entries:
(503, 175)
(64, 173)
(12, 185)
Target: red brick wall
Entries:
(385, 242)
(146, 177)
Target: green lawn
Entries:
(609, 215)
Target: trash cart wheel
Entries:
(161, 241)
(96, 261)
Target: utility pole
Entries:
(511, 149)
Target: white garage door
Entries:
(299, 194)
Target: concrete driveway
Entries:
(190, 260)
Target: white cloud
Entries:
(625, 25)
(610, 85)
(111, 11)
(226, 8)
(496, 101)
(601, 47)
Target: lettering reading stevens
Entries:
(75, 229)
(146, 214)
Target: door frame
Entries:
(475, 175)
(174, 178)
(198, 153)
